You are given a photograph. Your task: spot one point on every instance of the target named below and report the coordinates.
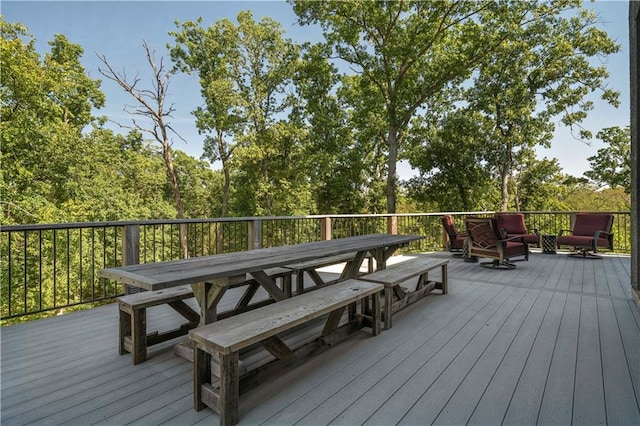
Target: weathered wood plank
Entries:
(326, 395)
(630, 333)
(589, 403)
(395, 393)
(432, 401)
(250, 327)
(495, 401)
(619, 394)
(527, 396)
(557, 402)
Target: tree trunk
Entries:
(504, 186)
(224, 156)
(173, 179)
(392, 177)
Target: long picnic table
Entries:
(211, 276)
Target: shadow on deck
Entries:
(555, 341)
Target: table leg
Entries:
(381, 255)
(208, 295)
(269, 284)
(352, 268)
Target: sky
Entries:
(116, 29)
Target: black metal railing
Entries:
(48, 269)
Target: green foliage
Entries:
(245, 73)
(612, 165)
(451, 158)
(406, 53)
(539, 73)
(45, 105)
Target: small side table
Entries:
(465, 253)
(549, 243)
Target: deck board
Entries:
(554, 341)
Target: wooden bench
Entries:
(393, 275)
(223, 340)
(133, 319)
(310, 268)
(133, 312)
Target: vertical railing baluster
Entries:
(68, 266)
(9, 275)
(55, 268)
(93, 263)
(80, 264)
(26, 267)
(40, 268)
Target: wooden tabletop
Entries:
(159, 275)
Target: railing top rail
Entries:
(72, 225)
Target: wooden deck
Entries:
(556, 341)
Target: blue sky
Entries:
(117, 29)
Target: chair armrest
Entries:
(521, 239)
(607, 235)
(562, 231)
(597, 234)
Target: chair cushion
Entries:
(458, 242)
(581, 241)
(514, 248)
(529, 238)
(513, 223)
(589, 224)
(449, 225)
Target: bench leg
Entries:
(388, 306)
(376, 314)
(201, 376)
(229, 407)
(286, 285)
(139, 336)
(445, 279)
(124, 330)
(299, 282)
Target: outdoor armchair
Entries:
(589, 232)
(456, 239)
(512, 225)
(485, 239)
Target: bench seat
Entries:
(310, 267)
(132, 307)
(394, 275)
(133, 337)
(223, 340)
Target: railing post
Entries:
(130, 250)
(254, 234)
(392, 225)
(325, 228)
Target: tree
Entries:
(151, 106)
(117, 177)
(46, 103)
(245, 73)
(611, 166)
(537, 185)
(336, 161)
(541, 73)
(450, 156)
(406, 53)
